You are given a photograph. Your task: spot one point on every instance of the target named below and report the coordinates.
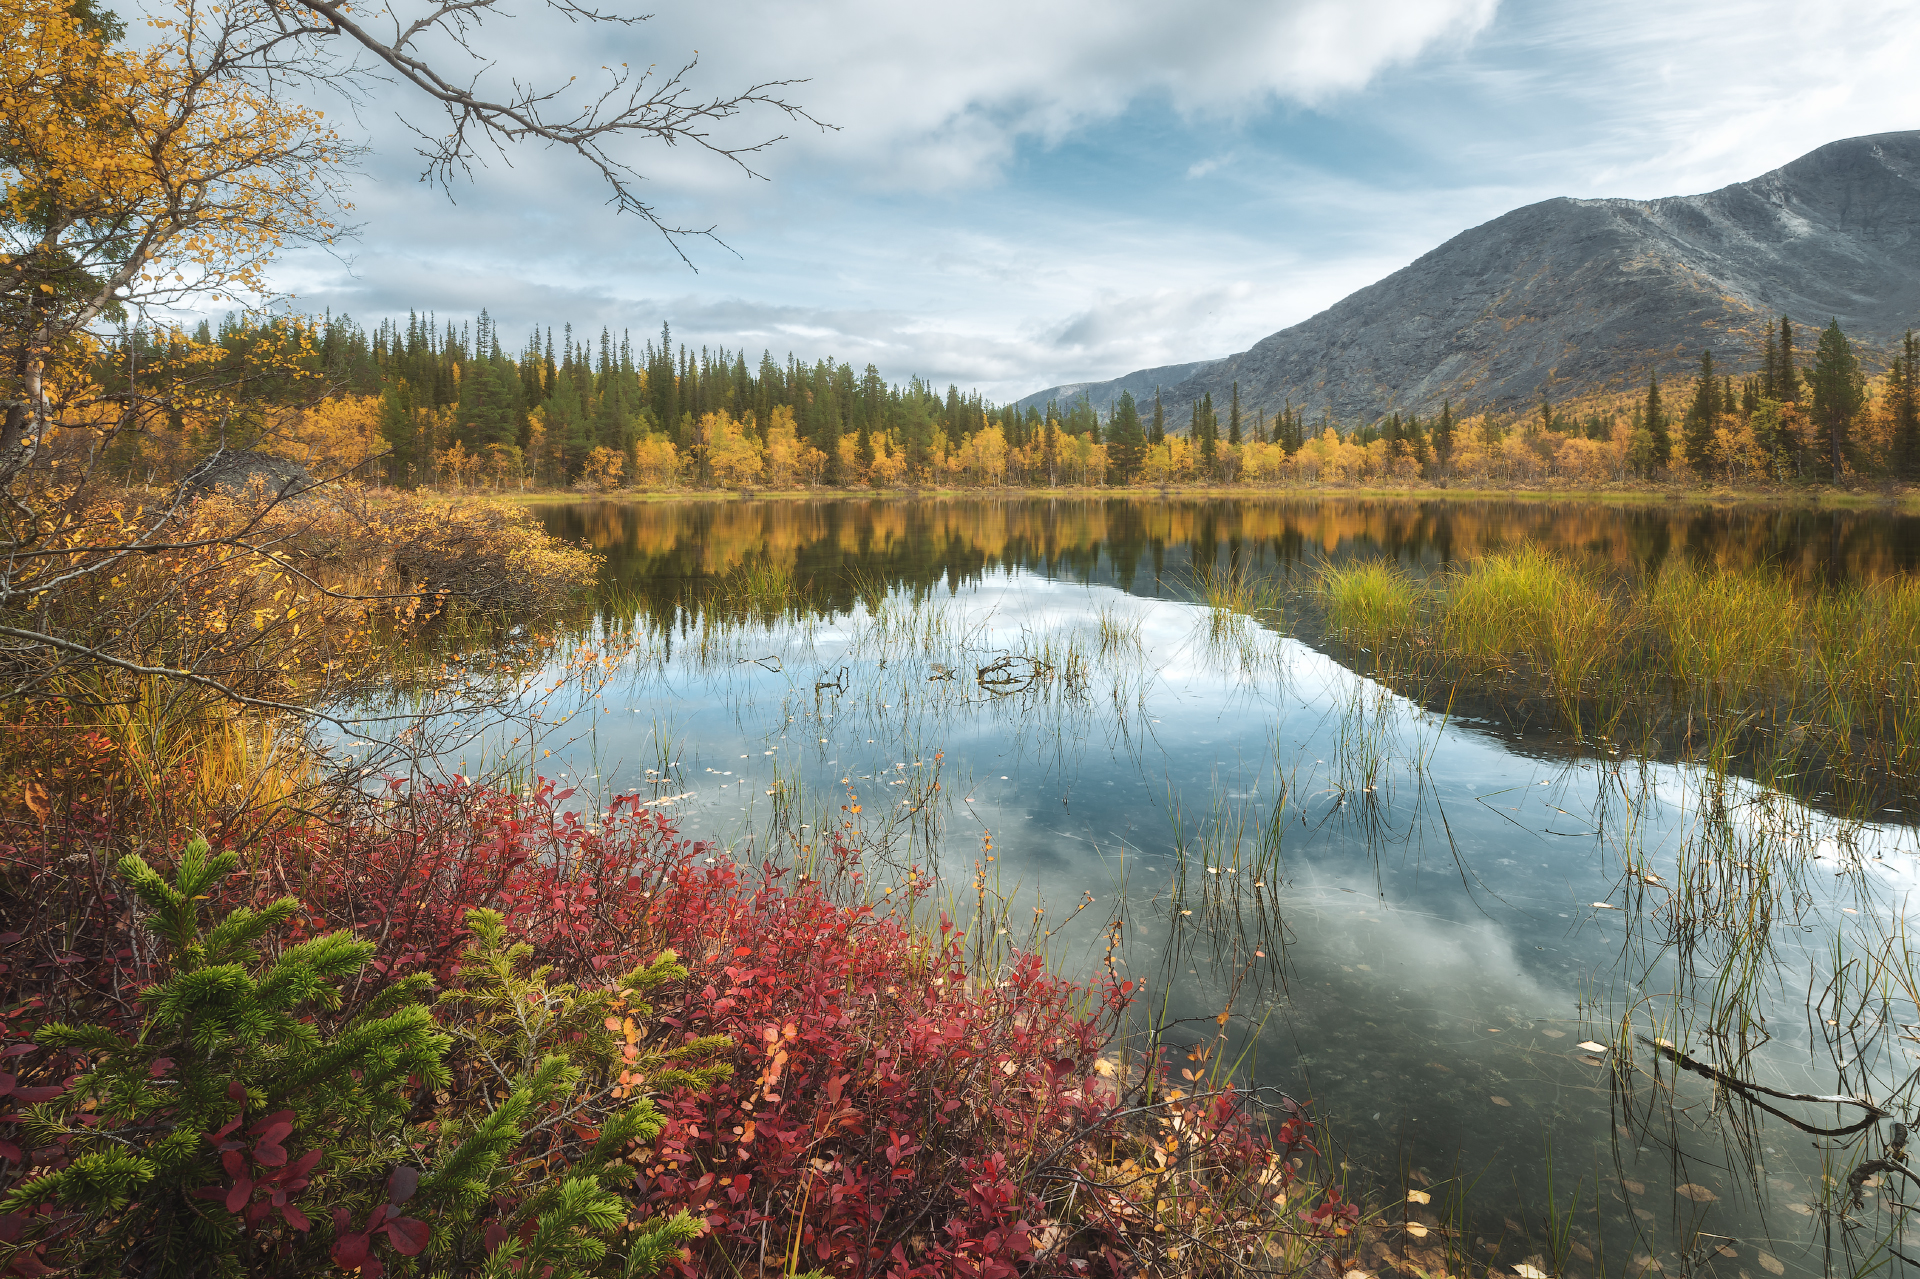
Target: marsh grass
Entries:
(1786, 681)
(761, 588)
(1230, 594)
(1118, 632)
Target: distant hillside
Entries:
(1567, 296)
(1102, 395)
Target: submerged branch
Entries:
(1752, 1092)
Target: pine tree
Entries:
(1697, 431)
(1839, 389)
(1233, 419)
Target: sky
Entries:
(1020, 193)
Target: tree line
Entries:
(427, 402)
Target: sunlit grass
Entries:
(1713, 663)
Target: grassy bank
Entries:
(1802, 685)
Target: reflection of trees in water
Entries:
(668, 556)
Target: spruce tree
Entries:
(863, 443)
(1233, 419)
(1127, 443)
(1839, 390)
(1903, 391)
(1443, 432)
(1786, 386)
(1660, 452)
(1697, 432)
(569, 430)
(397, 427)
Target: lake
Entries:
(1456, 934)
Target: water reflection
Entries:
(665, 553)
(1458, 949)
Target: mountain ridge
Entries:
(1569, 295)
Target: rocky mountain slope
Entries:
(1572, 295)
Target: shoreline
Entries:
(1638, 495)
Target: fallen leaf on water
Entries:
(1581, 1251)
(1590, 1046)
(1771, 1264)
(1588, 1059)
(1417, 1230)
(1419, 1197)
(1104, 1066)
(1643, 1214)
(1501, 1101)
(1422, 1177)
(1802, 1209)
(1725, 1251)
(1554, 1034)
(1526, 1271)
(1493, 1030)
(1634, 1187)
(1605, 906)
(1358, 1274)
(1699, 1194)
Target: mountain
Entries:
(1104, 395)
(1572, 295)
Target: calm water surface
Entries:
(1412, 919)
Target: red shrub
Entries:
(890, 1112)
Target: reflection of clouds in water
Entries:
(1471, 960)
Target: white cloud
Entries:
(941, 95)
(1006, 203)
(934, 96)
(1646, 98)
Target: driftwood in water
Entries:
(1753, 1092)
